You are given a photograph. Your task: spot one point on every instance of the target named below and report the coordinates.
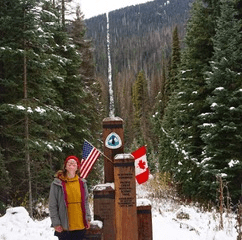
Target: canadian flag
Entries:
(141, 165)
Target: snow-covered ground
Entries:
(193, 224)
(174, 220)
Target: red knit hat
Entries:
(74, 158)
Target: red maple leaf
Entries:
(141, 164)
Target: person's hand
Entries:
(88, 225)
(58, 229)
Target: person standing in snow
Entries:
(68, 202)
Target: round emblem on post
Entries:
(113, 141)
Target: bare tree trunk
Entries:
(27, 157)
(63, 12)
(221, 203)
(239, 221)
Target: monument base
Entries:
(144, 219)
(95, 232)
(104, 208)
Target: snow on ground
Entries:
(174, 220)
(17, 225)
(193, 223)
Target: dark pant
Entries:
(71, 235)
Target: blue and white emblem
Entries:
(113, 141)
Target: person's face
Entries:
(71, 166)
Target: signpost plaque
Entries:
(125, 197)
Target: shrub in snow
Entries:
(182, 215)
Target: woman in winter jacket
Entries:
(68, 202)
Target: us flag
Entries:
(89, 156)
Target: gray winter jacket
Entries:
(58, 207)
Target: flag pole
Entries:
(106, 157)
(100, 152)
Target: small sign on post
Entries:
(113, 138)
(125, 197)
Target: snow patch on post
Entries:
(123, 156)
(105, 186)
(143, 202)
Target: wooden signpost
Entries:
(115, 200)
(125, 197)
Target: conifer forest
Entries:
(177, 82)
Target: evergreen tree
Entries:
(238, 5)
(223, 127)
(181, 136)
(50, 100)
(170, 84)
(5, 185)
(28, 95)
(92, 97)
(159, 110)
(192, 90)
(160, 103)
(175, 62)
(142, 111)
(91, 106)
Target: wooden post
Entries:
(125, 197)
(144, 219)
(104, 208)
(113, 138)
(95, 232)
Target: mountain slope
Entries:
(154, 19)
